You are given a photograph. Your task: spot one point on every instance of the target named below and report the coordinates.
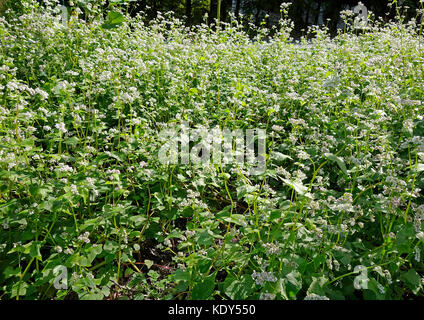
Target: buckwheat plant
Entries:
(82, 187)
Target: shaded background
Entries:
(304, 13)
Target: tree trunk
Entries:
(332, 12)
(237, 10)
(224, 9)
(212, 10)
(305, 25)
(188, 12)
(258, 11)
(318, 12)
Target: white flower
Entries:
(74, 189)
(266, 296)
(271, 248)
(314, 296)
(90, 181)
(69, 251)
(261, 277)
(84, 237)
(61, 127)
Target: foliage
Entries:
(81, 186)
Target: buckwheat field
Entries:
(92, 207)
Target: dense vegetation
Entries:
(337, 214)
(303, 13)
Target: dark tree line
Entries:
(304, 13)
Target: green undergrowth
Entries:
(337, 214)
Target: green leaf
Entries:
(114, 19)
(111, 246)
(279, 157)
(193, 91)
(153, 274)
(92, 296)
(277, 288)
(78, 260)
(148, 263)
(236, 219)
(35, 250)
(245, 189)
(275, 214)
(92, 252)
(412, 280)
(204, 264)
(139, 296)
(338, 160)
(203, 290)
(296, 185)
(372, 292)
(11, 272)
(205, 238)
(238, 289)
(73, 141)
(404, 237)
(317, 286)
(19, 289)
(181, 275)
(293, 284)
(138, 220)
